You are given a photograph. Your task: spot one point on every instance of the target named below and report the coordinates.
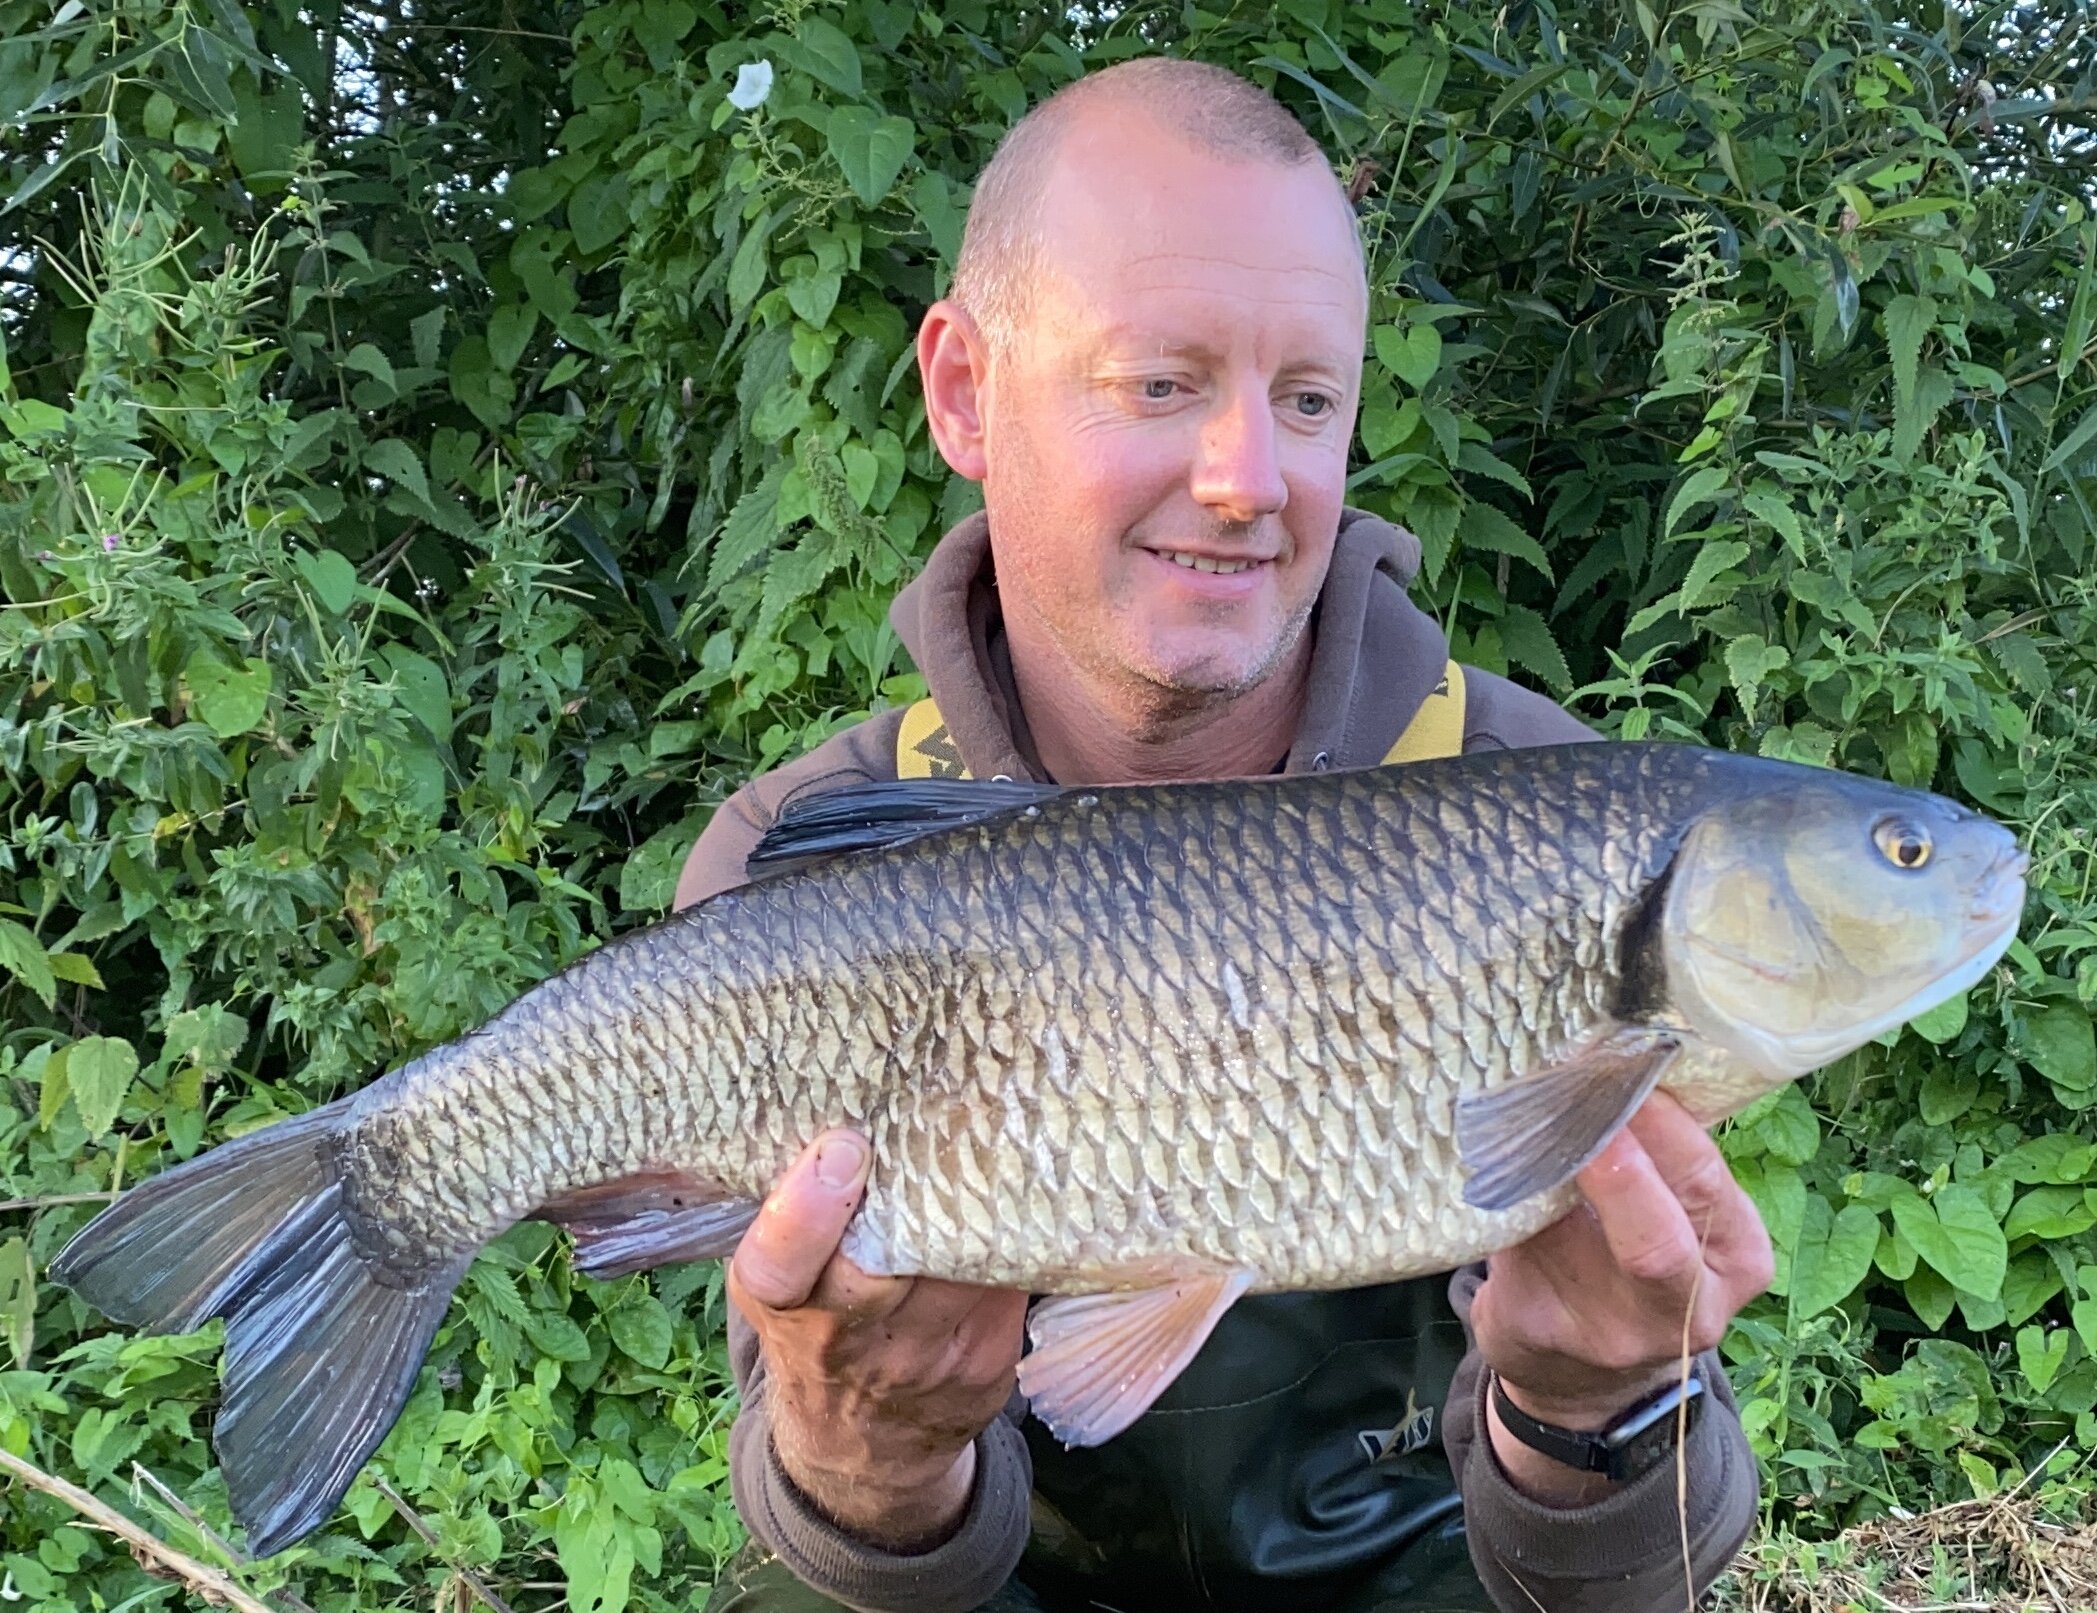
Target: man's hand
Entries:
(1592, 1314)
(877, 1386)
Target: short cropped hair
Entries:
(1210, 107)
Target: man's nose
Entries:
(1238, 471)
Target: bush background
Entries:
(444, 447)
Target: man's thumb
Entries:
(797, 1232)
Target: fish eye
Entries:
(1902, 844)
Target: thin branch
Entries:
(208, 1583)
(189, 1515)
(57, 1198)
(413, 1520)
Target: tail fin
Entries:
(322, 1347)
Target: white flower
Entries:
(753, 82)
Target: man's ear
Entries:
(954, 363)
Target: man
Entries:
(1151, 362)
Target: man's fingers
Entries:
(1648, 1232)
(1735, 1243)
(782, 1256)
(1685, 1156)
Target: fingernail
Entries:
(839, 1161)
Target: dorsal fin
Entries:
(866, 817)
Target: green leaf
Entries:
(2060, 1043)
(421, 689)
(596, 214)
(1478, 459)
(1749, 662)
(398, 462)
(1834, 1255)
(748, 534)
(230, 700)
(2050, 1212)
(642, 1328)
(1486, 530)
(871, 150)
(210, 1037)
(510, 328)
(1530, 83)
(659, 25)
(648, 879)
(1908, 321)
(17, 1299)
(813, 296)
(1703, 487)
(1930, 1297)
(1711, 561)
(2056, 1157)
(1412, 354)
(332, 578)
(943, 220)
(370, 361)
(746, 274)
(23, 956)
(426, 331)
(1942, 1023)
(98, 1072)
(1948, 1091)
(2075, 442)
(555, 1335)
(1527, 642)
(826, 51)
(1954, 1232)
(862, 471)
(2041, 1353)
(1787, 1125)
(1774, 510)
(75, 969)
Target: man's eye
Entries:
(1313, 405)
(1158, 388)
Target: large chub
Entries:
(322, 1346)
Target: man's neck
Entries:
(1087, 731)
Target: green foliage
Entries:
(439, 459)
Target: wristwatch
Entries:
(1634, 1444)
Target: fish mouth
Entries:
(2001, 893)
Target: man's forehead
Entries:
(1124, 191)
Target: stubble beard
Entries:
(1166, 693)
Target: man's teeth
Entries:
(1198, 562)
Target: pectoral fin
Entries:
(651, 1219)
(1099, 1360)
(1533, 1134)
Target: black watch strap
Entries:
(1634, 1444)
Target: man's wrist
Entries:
(1542, 1477)
(903, 1508)
(1592, 1410)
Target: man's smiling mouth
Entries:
(1210, 564)
(1202, 562)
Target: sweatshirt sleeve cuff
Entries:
(1642, 1523)
(961, 1574)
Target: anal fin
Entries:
(653, 1218)
(1099, 1360)
(1533, 1134)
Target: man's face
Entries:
(1166, 444)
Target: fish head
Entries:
(1803, 920)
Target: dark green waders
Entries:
(1296, 1465)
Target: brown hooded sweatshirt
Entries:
(1375, 657)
